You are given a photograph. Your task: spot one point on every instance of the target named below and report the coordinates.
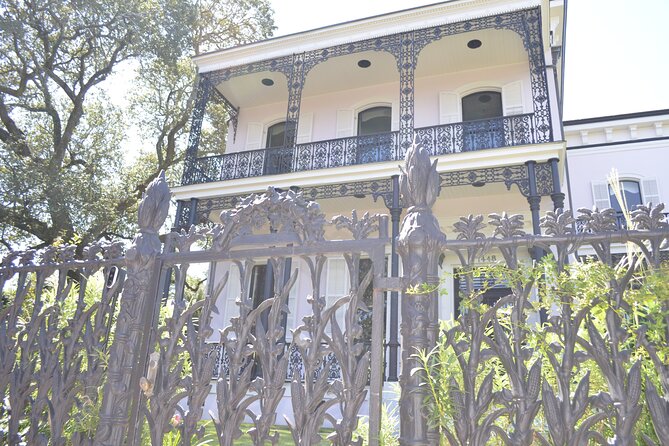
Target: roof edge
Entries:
(634, 115)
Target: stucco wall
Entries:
(324, 107)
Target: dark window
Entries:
(280, 158)
(275, 135)
(482, 128)
(482, 105)
(375, 142)
(374, 120)
(493, 291)
(631, 193)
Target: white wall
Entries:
(641, 161)
(322, 109)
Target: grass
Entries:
(285, 437)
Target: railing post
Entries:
(557, 196)
(139, 291)
(419, 243)
(393, 343)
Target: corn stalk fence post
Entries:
(419, 245)
(126, 360)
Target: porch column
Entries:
(406, 62)
(295, 85)
(203, 93)
(419, 243)
(393, 343)
(534, 199)
(557, 196)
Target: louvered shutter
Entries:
(651, 192)
(345, 123)
(395, 116)
(600, 195)
(449, 107)
(253, 136)
(512, 98)
(232, 294)
(337, 286)
(292, 307)
(305, 127)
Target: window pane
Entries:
(631, 193)
(482, 105)
(275, 135)
(374, 120)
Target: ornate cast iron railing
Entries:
(295, 363)
(478, 135)
(441, 139)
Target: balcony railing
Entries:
(440, 139)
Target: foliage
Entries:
(66, 171)
(390, 426)
(583, 290)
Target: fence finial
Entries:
(155, 205)
(420, 182)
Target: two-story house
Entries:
(331, 112)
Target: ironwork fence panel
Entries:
(56, 325)
(56, 329)
(329, 364)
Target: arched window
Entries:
(374, 120)
(375, 141)
(275, 135)
(482, 105)
(630, 192)
(482, 128)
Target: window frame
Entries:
(266, 134)
(467, 94)
(357, 111)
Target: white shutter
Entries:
(292, 307)
(512, 98)
(395, 116)
(345, 123)
(304, 128)
(337, 286)
(449, 107)
(600, 195)
(650, 191)
(253, 136)
(233, 290)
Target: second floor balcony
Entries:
(444, 139)
(473, 85)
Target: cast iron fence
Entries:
(77, 367)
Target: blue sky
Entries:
(617, 56)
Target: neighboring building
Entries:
(332, 112)
(635, 145)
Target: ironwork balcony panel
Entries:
(483, 134)
(346, 151)
(439, 139)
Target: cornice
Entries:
(369, 28)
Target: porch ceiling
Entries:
(448, 55)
